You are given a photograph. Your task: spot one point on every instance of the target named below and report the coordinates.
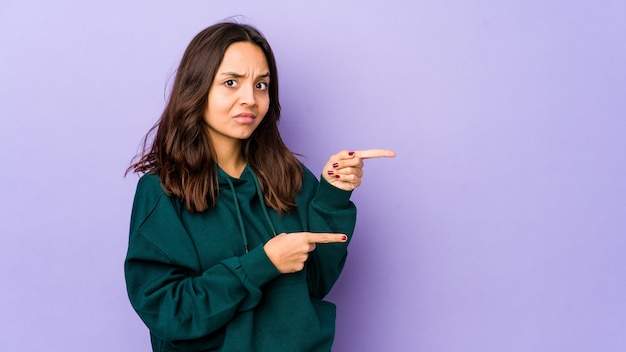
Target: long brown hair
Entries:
(182, 153)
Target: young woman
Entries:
(233, 242)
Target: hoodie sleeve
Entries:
(165, 287)
(330, 210)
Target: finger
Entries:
(327, 237)
(352, 179)
(356, 171)
(374, 153)
(346, 164)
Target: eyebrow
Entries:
(239, 75)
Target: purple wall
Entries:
(500, 226)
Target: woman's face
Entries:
(239, 96)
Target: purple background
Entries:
(500, 226)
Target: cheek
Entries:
(264, 105)
(216, 110)
(263, 112)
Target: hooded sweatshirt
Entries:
(203, 282)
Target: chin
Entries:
(244, 136)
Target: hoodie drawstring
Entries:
(244, 237)
(262, 199)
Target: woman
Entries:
(233, 242)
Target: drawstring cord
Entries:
(263, 206)
(262, 199)
(239, 217)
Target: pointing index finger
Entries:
(374, 153)
(327, 237)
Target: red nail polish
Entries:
(331, 172)
(344, 238)
(351, 153)
(336, 165)
(337, 176)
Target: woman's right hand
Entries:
(289, 251)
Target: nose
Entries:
(247, 95)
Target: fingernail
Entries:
(337, 176)
(344, 238)
(331, 172)
(351, 153)
(336, 165)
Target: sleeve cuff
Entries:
(332, 197)
(258, 267)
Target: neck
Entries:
(230, 158)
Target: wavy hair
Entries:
(179, 149)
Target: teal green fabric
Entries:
(196, 287)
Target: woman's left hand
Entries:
(345, 169)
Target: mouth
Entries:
(245, 118)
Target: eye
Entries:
(262, 85)
(230, 83)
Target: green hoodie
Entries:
(195, 284)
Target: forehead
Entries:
(244, 56)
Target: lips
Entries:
(245, 117)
